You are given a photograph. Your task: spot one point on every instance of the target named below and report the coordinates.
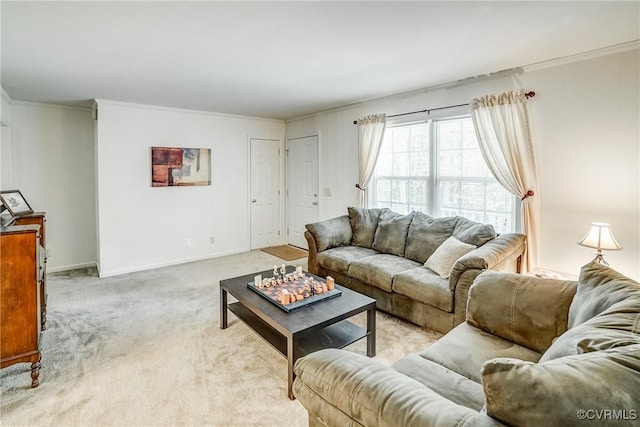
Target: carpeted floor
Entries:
(146, 349)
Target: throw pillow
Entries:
(599, 287)
(473, 233)
(426, 234)
(559, 391)
(441, 261)
(391, 234)
(364, 223)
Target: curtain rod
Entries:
(529, 94)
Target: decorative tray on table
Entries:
(294, 290)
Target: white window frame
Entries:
(433, 207)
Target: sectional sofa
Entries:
(532, 352)
(417, 267)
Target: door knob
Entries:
(314, 203)
(253, 201)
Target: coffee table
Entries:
(305, 330)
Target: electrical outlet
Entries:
(212, 240)
(187, 242)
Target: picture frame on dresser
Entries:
(15, 203)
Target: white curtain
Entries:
(370, 133)
(502, 127)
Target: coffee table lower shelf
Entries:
(337, 335)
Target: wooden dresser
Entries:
(39, 218)
(22, 295)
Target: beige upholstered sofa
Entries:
(417, 267)
(513, 362)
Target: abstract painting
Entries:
(171, 166)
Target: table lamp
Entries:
(600, 237)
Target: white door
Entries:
(302, 187)
(265, 192)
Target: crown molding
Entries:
(591, 54)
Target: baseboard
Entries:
(111, 273)
(70, 267)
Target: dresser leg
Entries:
(35, 373)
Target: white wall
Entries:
(585, 125)
(141, 227)
(52, 165)
(5, 141)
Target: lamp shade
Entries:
(600, 236)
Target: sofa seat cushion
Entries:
(378, 270)
(599, 287)
(339, 259)
(422, 284)
(466, 348)
(562, 392)
(445, 382)
(426, 234)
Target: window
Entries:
(436, 167)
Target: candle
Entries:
(330, 283)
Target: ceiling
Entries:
(284, 59)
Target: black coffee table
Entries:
(305, 330)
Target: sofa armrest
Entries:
(325, 235)
(497, 254)
(527, 310)
(338, 385)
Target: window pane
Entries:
(420, 138)
(399, 190)
(498, 198)
(449, 194)
(383, 190)
(419, 163)
(473, 163)
(401, 137)
(472, 195)
(450, 163)
(401, 164)
(418, 191)
(449, 134)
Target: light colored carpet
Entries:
(146, 349)
(286, 252)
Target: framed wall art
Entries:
(15, 203)
(173, 166)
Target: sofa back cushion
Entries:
(331, 233)
(599, 288)
(618, 326)
(426, 234)
(391, 234)
(473, 233)
(526, 310)
(563, 392)
(364, 223)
